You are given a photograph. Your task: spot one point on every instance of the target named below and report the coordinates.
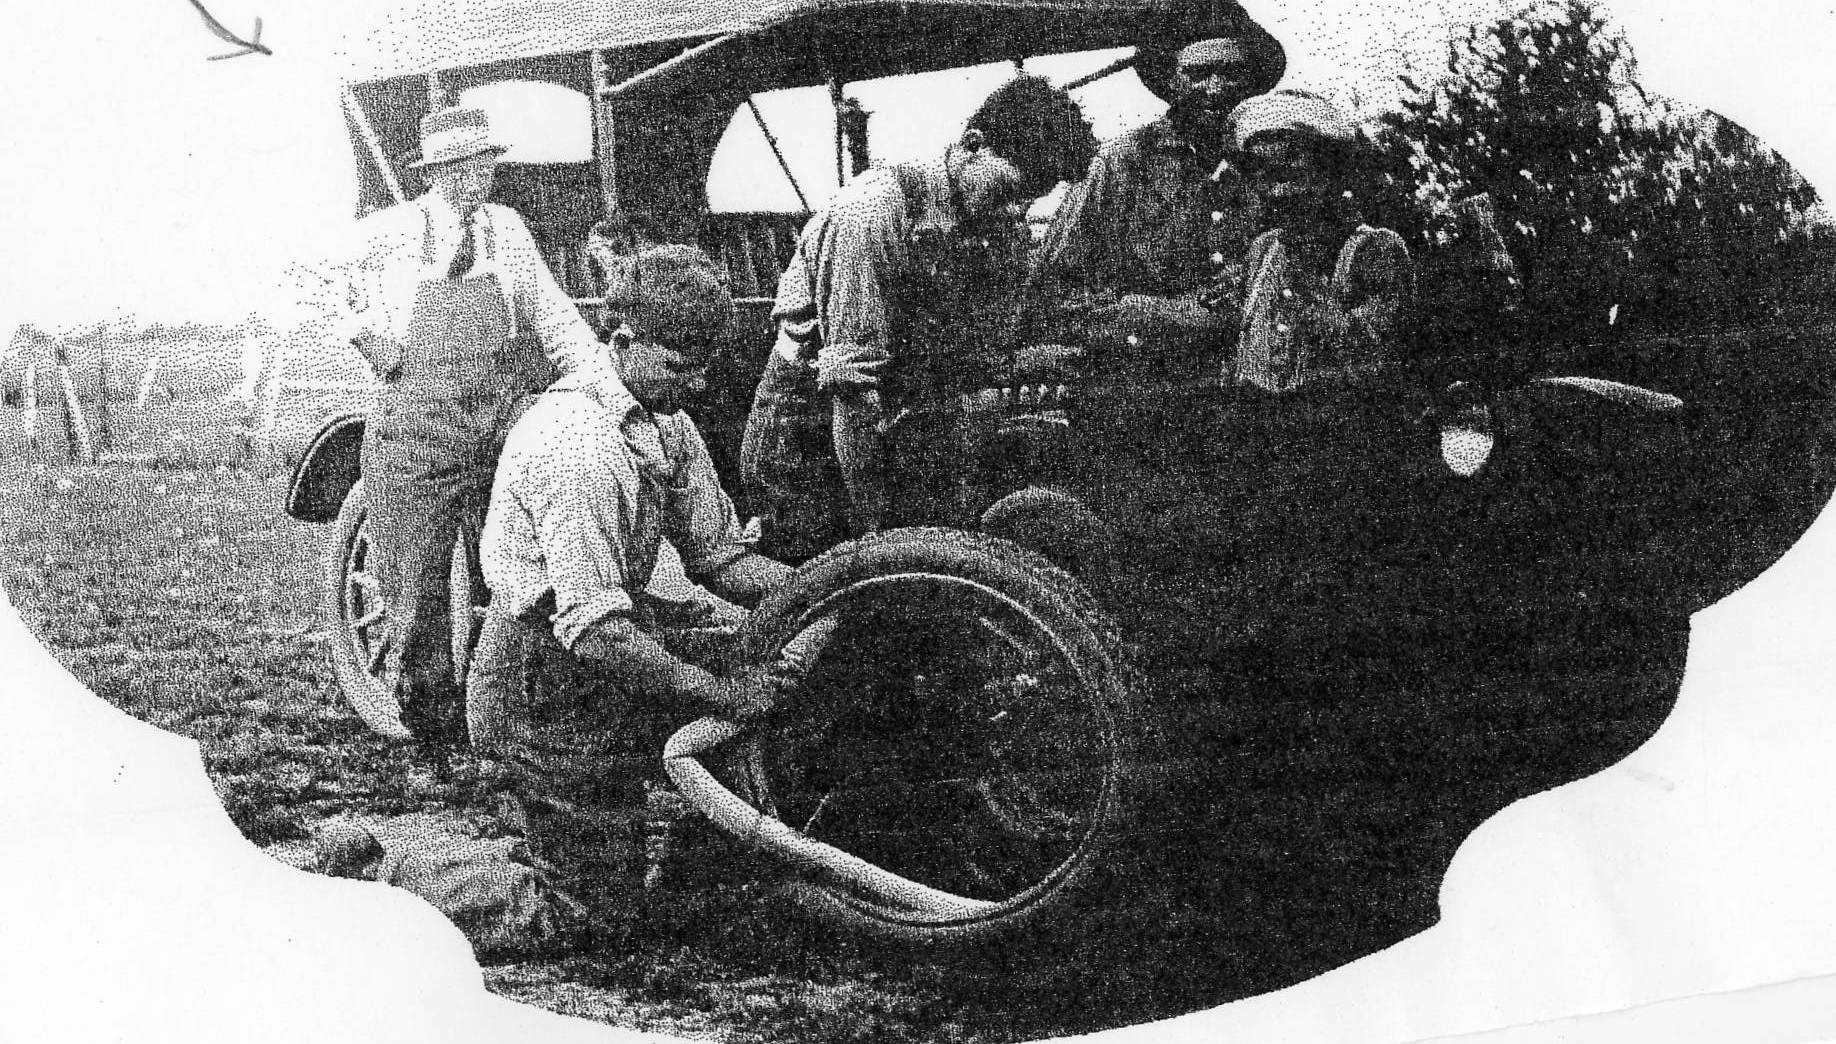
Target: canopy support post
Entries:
(838, 103)
(438, 97)
(1124, 62)
(772, 140)
(605, 134)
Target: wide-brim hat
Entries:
(449, 135)
(1173, 24)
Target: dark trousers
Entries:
(585, 751)
(933, 472)
(427, 470)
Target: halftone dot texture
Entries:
(1290, 111)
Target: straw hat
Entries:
(1174, 24)
(455, 134)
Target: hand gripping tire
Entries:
(356, 616)
(954, 762)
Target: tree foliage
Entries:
(1623, 212)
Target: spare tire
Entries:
(965, 731)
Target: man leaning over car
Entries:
(898, 302)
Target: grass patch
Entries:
(1297, 831)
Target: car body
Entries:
(1448, 518)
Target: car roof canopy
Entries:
(666, 75)
(769, 43)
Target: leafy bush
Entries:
(1626, 214)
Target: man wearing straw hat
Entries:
(1162, 219)
(447, 300)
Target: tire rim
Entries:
(988, 780)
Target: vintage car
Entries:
(1004, 704)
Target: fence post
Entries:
(28, 414)
(146, 382)
(105, 429)
(75, 425)
(60, 361)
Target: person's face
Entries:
(662, 378)
(465, 184)
(1289, 175)
(1211, 78)
(991, 187)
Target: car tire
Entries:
(970, 667)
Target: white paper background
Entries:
(1686, 892)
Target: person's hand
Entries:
(753, 692)
(1224, 295)
(858, 367)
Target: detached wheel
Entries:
(963, 736)
(357, 616)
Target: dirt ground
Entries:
(171, 584)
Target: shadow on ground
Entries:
(1302, 826)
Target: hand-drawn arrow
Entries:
(252, 46)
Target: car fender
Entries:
(328, 469)
(1055, 524)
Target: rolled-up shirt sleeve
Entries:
(541, 305)
(584, 566)
(794, 309)
(862, 250)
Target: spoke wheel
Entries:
(965, 727)
(356, 615)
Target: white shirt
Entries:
(566, 507)
(375, 289)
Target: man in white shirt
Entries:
(447, 298)
(583, 667)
